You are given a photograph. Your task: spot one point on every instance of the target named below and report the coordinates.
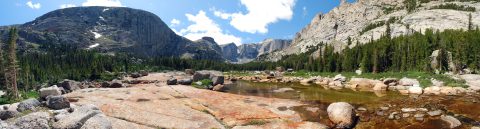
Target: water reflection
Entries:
(308, 93)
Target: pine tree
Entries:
(470, 24)
(11, 73)
(2, 68)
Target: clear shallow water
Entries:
(310, 93)
(317, 97)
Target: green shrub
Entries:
(455, 7)
(205, 84)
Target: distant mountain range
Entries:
(121, 29)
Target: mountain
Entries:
(249, 52)
(230, 52)
(110, 29)
(366, 20)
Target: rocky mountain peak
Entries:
(210, 39)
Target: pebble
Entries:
(405, 115)
(362, 109)
(392, 115)
(384, 108)
(435, 113)
(409, 110)
(422, 109)
(380, 113)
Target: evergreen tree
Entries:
(470, 24)
(2, 67)
(11, 73)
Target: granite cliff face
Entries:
(110, 29)
(230, 52)
(250, 52)
(352, 19)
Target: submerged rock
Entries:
(281, 90)
(342, 114)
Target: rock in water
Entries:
(218, 80)
(53, 90)
(454, 122)
(29, 104)
(380, 87)
(342, 114)
(172, 81)
(57, 102)
(37, 120)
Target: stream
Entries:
(379, 105)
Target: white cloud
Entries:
(174, 22)
(305, 11)
(107, 3)
(260, 14)
(33, 5)
(204, 26)
(67, 6)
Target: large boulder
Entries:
(185, 81)
(70, 85)
(81, 117)
(218, 80)
(143, 73)
(117, 84)
(37, 120)
(135, 75)
(339, 77)
(208, 74)
(53, 90)
(341, 114)
(172, 81)
(408, 82)
(29, 104)
(7, 114)
(363, 83)
(390, 81)
(435, 63)
(57, 102)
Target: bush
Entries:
(205, 84)
(455, 7)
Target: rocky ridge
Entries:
(249, 52)
(348, 20)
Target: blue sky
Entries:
(239, 21)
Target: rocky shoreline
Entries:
(166, 100)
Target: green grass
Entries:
(25, 95)
(422, 77)
(205, 83)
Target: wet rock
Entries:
(339, 77)
(452, 121)
(281, 90)
(185, 82)
(342, 114)
(172, 81)
(409, 110)
(392, 115)
(419, 117)
(409, 82)
(435, 113)
(405, 115)
(361, 109)
(218, 80)
(37, 120)
(29, 104)
(415, 90)
(53, 90)
(70, 85)
(433, 90)
(7, 114)
(219, 87)
(57, 102)
(380, 87)
(390, 81)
